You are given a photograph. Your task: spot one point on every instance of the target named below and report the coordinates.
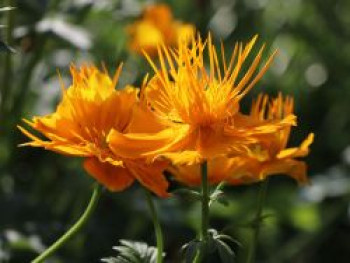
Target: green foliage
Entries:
(217, 243)
(218, 195)
(133, 252)
(188, 194)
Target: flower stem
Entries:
(257, 221)
(205, 213)
(205, 202)
(74, 229)
(157, 227)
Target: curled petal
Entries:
(295, 169)
(136, 145)
(151, 176)
(114, 178)
(301, 151)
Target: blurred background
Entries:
(43, 193)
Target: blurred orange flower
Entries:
(89, 109)
(157, 26)
(197, 110)
(267, 157)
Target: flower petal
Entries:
(186, 174)
(151, 176)
(301, 151)
(183, 157)
(293, 168)
(114, 178)
(136, 145)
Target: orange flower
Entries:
(89, 109)
(268, 157)
(197, 111)
(155, 27)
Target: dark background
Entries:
(43, 193)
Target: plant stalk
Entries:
(157, 227)
(257, 221)
(205, 202)
(205, 213)
(74, 229)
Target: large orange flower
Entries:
(89, 109)
(267, 157)
(155, 27)
(197, 108)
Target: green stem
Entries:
(257, 221)
(157, 227)
(74, 229)
(205, 202)
(7, 70)
(205, 213)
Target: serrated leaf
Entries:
(225, 252)
(188, 194)
(191, 250)
(109, 260)
(133, 252)
(211, 245)
(6, 48)
(229, 238)
(218, 196)
(212, 232)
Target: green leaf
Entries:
(133, 252)
(188, 194)
(211, 245)
(111, 260)
(225, 252)
(228, 238)
(218, 196)
(190, 250)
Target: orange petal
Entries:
(151, 176)
(144, 121)
(243, 170)
(56, 146)
(220, 169)
(293, 168)
(135, 145)
(301, 151)
(213, 143)
(183, 157)
(114, 178)
(186, 174)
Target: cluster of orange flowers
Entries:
(183, 115)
